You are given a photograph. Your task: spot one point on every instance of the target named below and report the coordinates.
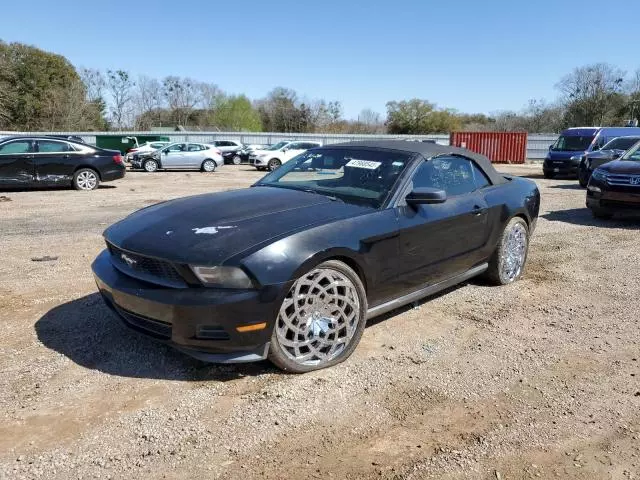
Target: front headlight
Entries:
(222, 277)
(599, 175)
(575, 158)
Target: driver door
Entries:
(174, 156)
(439, 241)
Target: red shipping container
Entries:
(499, 147)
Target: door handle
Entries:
(478, 211)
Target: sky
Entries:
(471, 55)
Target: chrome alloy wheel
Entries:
(87, 180)
(514, 252)
(318, 317)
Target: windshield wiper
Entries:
(328, 195)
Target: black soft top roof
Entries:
(428, 150)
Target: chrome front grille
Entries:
(623, 180)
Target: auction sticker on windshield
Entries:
(363, 164)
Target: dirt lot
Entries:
(536, 380)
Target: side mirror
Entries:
(550, 146)
(616, 154)
(426, 196)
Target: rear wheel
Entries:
(150, 166)
(321, 320)
(209, 166)
(508, 260)
(274, 163)
(236, 160)
(86, 179)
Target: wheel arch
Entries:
(90, 167)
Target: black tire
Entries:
(281, 356)
(208, 166)
(601, 214)
(274, 164)
(549, 175)
(236, 160)
(86, 179)
(495, 273)
(583, 178)
(150, 165)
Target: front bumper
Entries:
(619, 200)
(561, 167)
(199, 321)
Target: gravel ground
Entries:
(535, 380)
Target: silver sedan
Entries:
(181, 156)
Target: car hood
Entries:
(208, 229)
(600, 154)
(260, 152)
(630, 167)
(563, 155)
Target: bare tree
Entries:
(94, 82)
(120, 87)
(148, 101)
(589, 93)
(210, 95)
(182, 95)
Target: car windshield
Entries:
(571, 143)
(633, 153)
(353, 175)
(621, 143)
(277, 146)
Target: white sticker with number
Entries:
(363, 164)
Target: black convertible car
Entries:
(48, 161)
(292, 268)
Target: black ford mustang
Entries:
(291, 268)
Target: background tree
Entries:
(592, 95)
(236, 113)
(182, 95)
(120, 86)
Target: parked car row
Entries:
(605, 160)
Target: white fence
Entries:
(537, 144)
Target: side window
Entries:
(479, 176)
(20, 146)
(49, 146)
(454, 175)
(179, 147)
(194, 147)
(295, 146)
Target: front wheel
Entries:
(583, 177)
(86, 179)
(321, 320)
(209, 166)
(508, 260)
(274, 163)
(150, 166)
(236, 160)
(549, 175)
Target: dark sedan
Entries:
(615, 186)
(610, 151)
(292, 268)
(45, 161)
